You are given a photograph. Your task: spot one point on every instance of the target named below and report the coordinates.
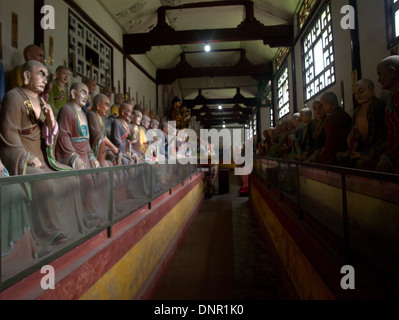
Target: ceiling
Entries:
(244, 36)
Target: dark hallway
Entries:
(223, 256)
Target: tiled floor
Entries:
(222, 257)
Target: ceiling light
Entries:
(224, 126)
(207, 47)
(220, 107)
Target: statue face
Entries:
(363, 93)
(145, 122)
(103, 107)
(63, 76)
(137, 119)
(91, 86)
(119, 99)
(154, 125)
(35, 53)
(36, 80)
(80, 96)
(319, 113)
(127, 114)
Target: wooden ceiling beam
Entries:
(250, 29)
(275, 36)
(168, 76)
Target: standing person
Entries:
(388, 76)
(337, 127)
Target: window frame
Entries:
(284, 66)
(390, 9)
(305, 34)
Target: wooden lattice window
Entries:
(318, 54)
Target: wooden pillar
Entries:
(38, 30)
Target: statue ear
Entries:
(73, 94)
(26, 77)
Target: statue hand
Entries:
(80, 164)
(47, 111)
(94, 163)
(35, 163)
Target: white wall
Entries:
(13, 57)
(136, 79)
(142, 89)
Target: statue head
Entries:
(154, 124)
(91, 85)
(388, 72)
(137, 117)
(34, 52)
(145, 122)
(364, 91)
(101, 104)
(107, 91)
(153, 114)
(306, 115)
(62, 74)
(125, 112)
(79, 94)
(296, 119)
(329, 101)
(119, 99)
(318, 110)
(176, 102)
(34, 75)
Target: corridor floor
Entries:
(223, 256)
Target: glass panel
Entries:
(161, 175)
(18, 247)
(287, 177)
(373, 222)
(321, 197)
(131, 189)
(44, 216)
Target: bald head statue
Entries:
(79, 94)
(34, 75)
(388, 72)
(34, 52)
